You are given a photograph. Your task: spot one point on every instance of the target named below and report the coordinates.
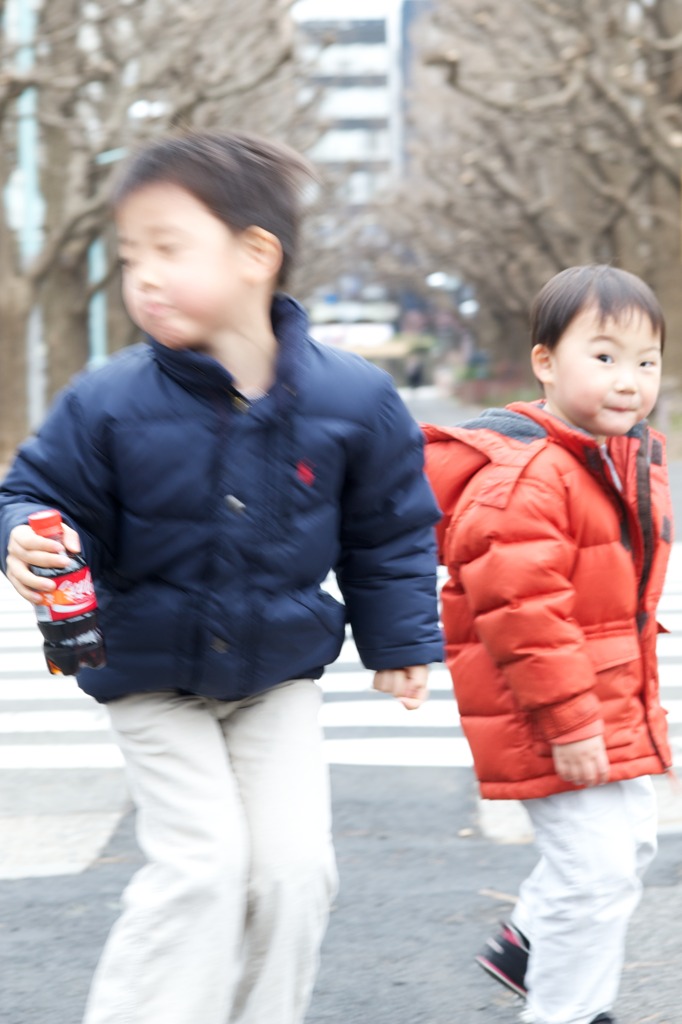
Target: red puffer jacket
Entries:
(555, 574)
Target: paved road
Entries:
(426, 870)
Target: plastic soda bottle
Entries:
(67, 616)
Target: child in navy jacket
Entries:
(213, 476)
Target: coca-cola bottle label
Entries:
(74, 595)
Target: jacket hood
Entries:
(523, 422)
(491, 429)
(505, 437)
(509, 437)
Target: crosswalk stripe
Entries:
(16, 757)
(384, 751)
(88, 720)
(40, 688)
(50, 729)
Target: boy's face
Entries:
(603, 375)
(185, 274)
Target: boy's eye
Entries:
(123, 262)
(603, 357)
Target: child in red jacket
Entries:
(556, 533)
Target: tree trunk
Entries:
(13, 318)
(14, 305)
(64, 312)
(64, 325)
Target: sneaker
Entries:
(505, 957)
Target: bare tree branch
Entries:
(107, 76)
(544, 134)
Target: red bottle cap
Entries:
(46, 524)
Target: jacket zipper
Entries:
(210, 560)
(644, 512)
(645, 518)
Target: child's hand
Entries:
(408, 685)
(26, 548)
(584, 763)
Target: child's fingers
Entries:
(582, 767)
(414, 690)
(603, 769)
(28, 585)
(72, 541)
(28, 547)
(412, 703)
(408, 685)
(25, 549)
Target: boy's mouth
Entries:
(155, 309)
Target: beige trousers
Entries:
(595, 845)
(224, 922)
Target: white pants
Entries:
(224, 923)
(574, 907)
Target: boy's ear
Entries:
(264, 254)
(542, 363)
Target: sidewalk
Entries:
(428, 404)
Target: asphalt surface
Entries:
(421, 888)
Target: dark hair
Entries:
(616, 293)
(244, 180)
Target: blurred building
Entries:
(358, 53)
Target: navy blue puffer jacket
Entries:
(210, 523)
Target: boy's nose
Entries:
(147, 279)
(626, 381)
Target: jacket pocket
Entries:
(620, 678)
(617, 661)
(302, 632)
(608, 651)
(148, 618)
(330, 612)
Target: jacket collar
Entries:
(204, 375)
(579, 441)
(504, 435)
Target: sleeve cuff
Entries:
(586, 732)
